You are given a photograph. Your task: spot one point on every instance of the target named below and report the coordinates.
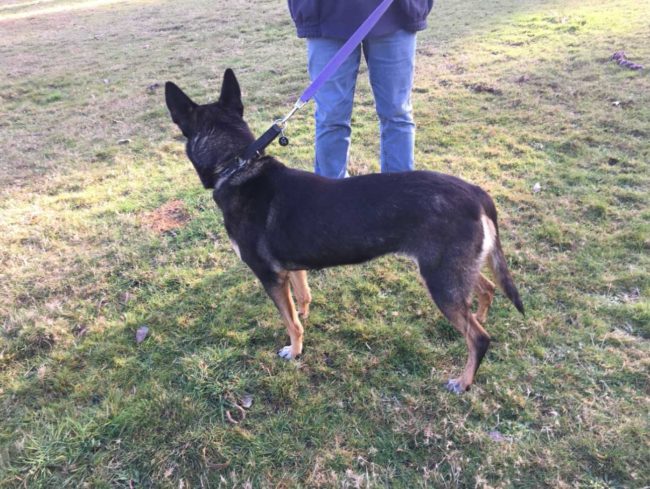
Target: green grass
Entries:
(507, 94)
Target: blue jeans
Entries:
(391, 61)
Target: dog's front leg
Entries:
(301, 290)
(279, 291)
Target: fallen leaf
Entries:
(328, 360)
(498, 437)
(484, 88)
(247, 401)
(79, 330)
(621, 58)
(242, 413)
(141, 334)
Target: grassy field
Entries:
(508, 94)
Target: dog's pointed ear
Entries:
(231, 93)
(180, 107)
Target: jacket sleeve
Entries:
(415, 13)
(306, 16)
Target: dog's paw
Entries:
(286, 353)
(453, 385)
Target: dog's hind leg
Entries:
(301, 291)
(451, 290)
(279, 291)
(484, 290)
(477, 340)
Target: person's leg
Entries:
(391, 62)
(333, 106)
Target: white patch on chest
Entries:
(236, 248)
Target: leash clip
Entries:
(282, 123)
(256, 148)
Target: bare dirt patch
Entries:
(169, 216)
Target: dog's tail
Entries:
(496, 259)
(502, 275)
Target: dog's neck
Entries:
(239, 166)
(237, 172)
(215, 153)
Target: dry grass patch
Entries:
(169, 216)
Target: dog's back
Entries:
(415, 213)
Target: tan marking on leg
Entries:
(484, 290)
(301, 291)
(477, 340)
(281, 295)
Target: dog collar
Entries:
(256, 148)
(232, 169)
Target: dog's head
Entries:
(215, 132)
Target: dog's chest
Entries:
(244, 221)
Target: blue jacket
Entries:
(340, 18)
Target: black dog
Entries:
(282, 222)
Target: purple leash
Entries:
(342, 54)
(256, 148)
